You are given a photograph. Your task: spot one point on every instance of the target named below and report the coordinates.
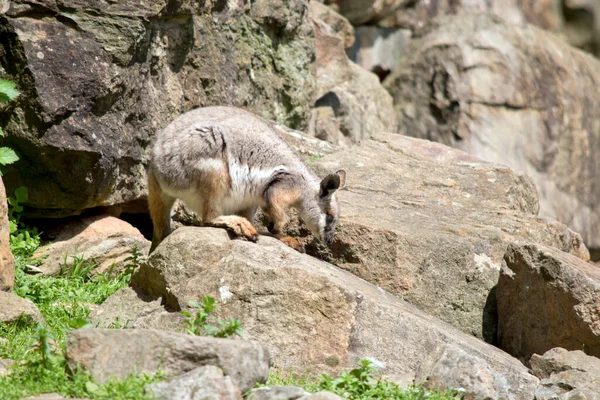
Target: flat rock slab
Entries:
(313, 316)
(547, 298)
(431, 224)
(566, 375)
(105, 353)
(203, 383)
(13, 306)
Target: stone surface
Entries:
(204, 383)
(103, 77)
(13, 306)
(104, 239)
(109, 352)
(514, 95)
(431, 224)
(277, 393)
(340, 25)
(5, 363)
(321, 396)
(378, 49)
(412, 14)
(313, 317)
(7, 262)
(361, 106)
(547, 299)
(566, 375)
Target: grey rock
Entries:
(321, 396)
(14, 306)
(204, 383)
(108, 352)
(514, 95)
(547, 299)
(277, 393)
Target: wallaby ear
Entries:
(332, 182)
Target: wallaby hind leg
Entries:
(160, 205)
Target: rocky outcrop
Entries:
(566, 375)
(7, 262)
(119, 353)
(547, 299)
(312, 316)
(102, 239)
(13, 307)
(99, 79)
(203, 383)
(512, 95)
(351, 103)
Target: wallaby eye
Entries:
(329, 219)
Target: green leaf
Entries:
(22, 194)
(91, 387)
(7, 156)
(8, 90)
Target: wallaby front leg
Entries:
(160, 205)
(278, 219)
(235, 224)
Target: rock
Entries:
(204, 383)
(7, 262)
(277, 393)
(431, 224)
(414, 14)
(340, 25)
(378, 49)
(512, 95)
(14, 306)
(313, 317)
(106, 240)
(547, 299)
(566, 375)
(5, 363)
(582, 24)
(354, 96)
(109, 352)
(103, 77)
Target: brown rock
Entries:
(313, 316)
(106, 240)
(340, 25)
(5, 363)
(323, 395)
(355, 96)
(512, 95)
(13, 306)
(203, 383)
(104, 77)
(547, 299)
(7, 262)
(566, 375)
(109, 352)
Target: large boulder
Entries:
(98, 79)
(7, 262)
(547, 299)
(566, 375)
(315, 317)
(431, 224)
(512, 95)
(106, 353)
(351, 104)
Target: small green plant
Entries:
(43, 347)
(8, 92)
(133, 261)
(23, 240)
(361, 384)
(197, 323)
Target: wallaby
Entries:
(223, 163)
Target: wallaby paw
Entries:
(244, 229)
(293, 243)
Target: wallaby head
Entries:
(322, 219)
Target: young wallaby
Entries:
(223, 163)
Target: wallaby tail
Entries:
(160, 205)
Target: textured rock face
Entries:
(119, 353)
(13, 306)
(315, 317)
(566, 375)
(359, 106)
(512, 95)
(547, 299)
(204, 383)
(99, 79)
(104, 239)
(7, 262)
(431, 224)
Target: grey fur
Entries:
(256, 162)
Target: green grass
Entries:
(361, 383)
(64, 302)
